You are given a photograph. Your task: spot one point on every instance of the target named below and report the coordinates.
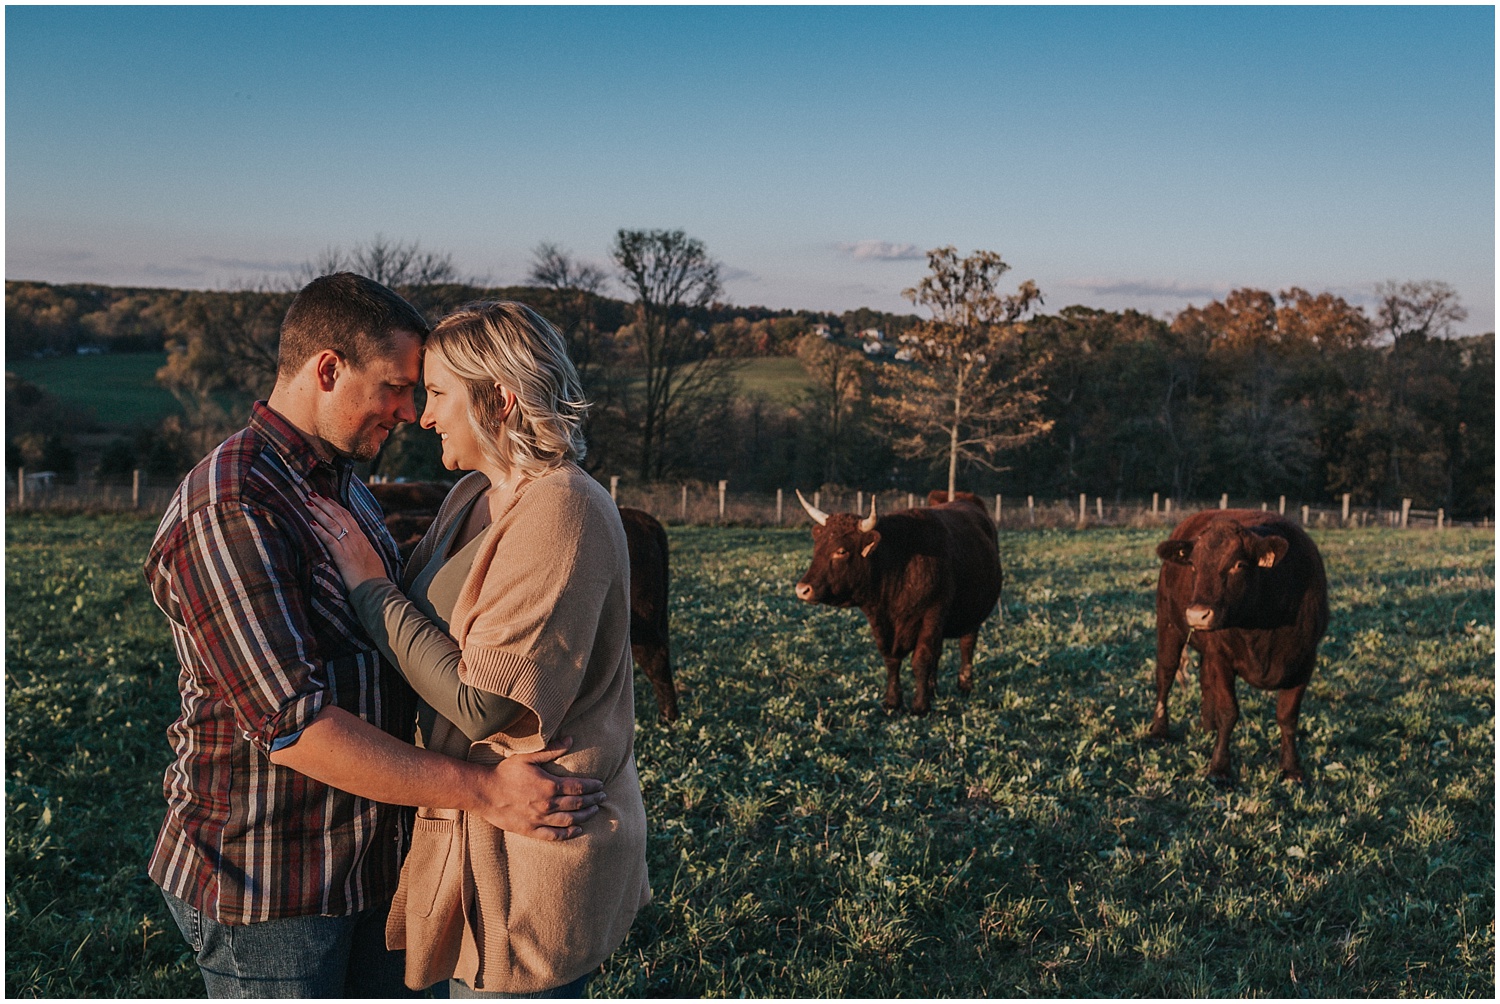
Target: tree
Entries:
(575, 308)
(839, 377)
(394, 264)
(554, 268)
(670, 275)
(1425, 308)
(1411, 414)
(973, 390)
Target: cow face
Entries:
(840, 571)
(1225, 560)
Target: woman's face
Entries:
(447, 414)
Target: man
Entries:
(281, 846)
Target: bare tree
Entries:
(974, 390)
(1427, 307)
(395, 264)
(575, 307)
(554, 268)
(681, 370)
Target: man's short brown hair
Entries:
(354, 316)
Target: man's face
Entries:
(371, 400)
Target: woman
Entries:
(514, 627)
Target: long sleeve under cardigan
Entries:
(542, 619)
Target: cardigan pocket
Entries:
(433, 867)
(427, 917)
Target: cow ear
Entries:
(1273, 549)
(874, 539)
(1178, 551)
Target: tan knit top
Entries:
(542, 618)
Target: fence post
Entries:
(684, 503)
(1168, 513)
(1346, 508)
(1281, 506)
(1224, 501)
(1405, 512)
(1083, 508)
(20, 488)
(1099, 507)
(1031, 509)
(1155, 497)
(1304, 515)
(859, 502)
(778, 507)
(135, 488)
(1264, 506)
(1440, 519)
(722, 486)
(997, 509)
(818, 499)
(614, 488)
(911, 502)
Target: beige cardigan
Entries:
(543, 619)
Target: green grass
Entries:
(1026, 840)
(123, 393)
(120, 389)
(780, 378)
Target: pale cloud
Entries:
(873, 250)
(729, 273)
(171, 272)
(1149, 288)
(248, 264)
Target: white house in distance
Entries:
(822, 331)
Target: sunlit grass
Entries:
(1026, 840)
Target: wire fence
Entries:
(698, 503)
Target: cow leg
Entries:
(892, 700)
(1221, 710)
(656, 662)
(1169, 642)
(1288, 706)
(966, 662)
(885, 643)
(924, 664)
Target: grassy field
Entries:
(123, 392)
(805, 844)
(120, 389)
(780, 378)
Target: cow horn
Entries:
(819, 516)
(866, 525)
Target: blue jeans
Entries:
(294, 956)
(459, 990)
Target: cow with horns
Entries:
(919, 576)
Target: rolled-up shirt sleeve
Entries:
(243, 604)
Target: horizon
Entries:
(817, 152)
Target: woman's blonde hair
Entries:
(506, 343)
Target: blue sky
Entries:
(1121, 157)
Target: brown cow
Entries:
(1247, 590)
(649, 576)
(410, 507)
(919, 576)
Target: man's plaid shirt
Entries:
(266, 639)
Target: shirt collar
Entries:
(293, 446)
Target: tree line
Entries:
(1257, 395)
